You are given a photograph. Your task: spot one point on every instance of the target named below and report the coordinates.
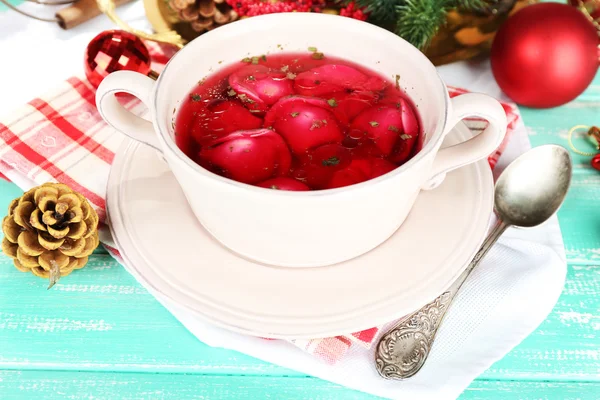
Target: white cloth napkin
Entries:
(502, 302)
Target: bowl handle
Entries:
(117, 116)
(476, 148)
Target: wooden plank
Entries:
(55, 385)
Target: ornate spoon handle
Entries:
(403, 350)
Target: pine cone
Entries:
(50, 231)
(203, 15)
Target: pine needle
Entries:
(380, 10)
(419, 20)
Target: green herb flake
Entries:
(397, 77)
(317, 56)
(291, 75)
(279, 46)
(332, 102)
(202, 81)
(405, 137)
(263, 57)
(374, 123)
(251, 78)
(285, 68)
(331, 161)
(393, 128)
(312, 49)
(315, 125)
(255, 60)
(398, 106)
(221, 62)
(247, 60)
(295, 114)
(195, 97)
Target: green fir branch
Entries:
(419, 20)
(381, 11)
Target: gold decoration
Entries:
(468, 34)
(165, 36)
(189, 18)
(50, 231)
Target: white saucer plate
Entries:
(161, 240)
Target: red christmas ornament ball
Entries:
(112, 51)
(545, 55)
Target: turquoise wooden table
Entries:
(99, 335)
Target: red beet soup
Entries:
(298, 122)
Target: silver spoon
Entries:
(529, 191)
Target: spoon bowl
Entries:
(533, 187)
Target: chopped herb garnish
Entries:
(291, 75)
(285, 68)
(195, 97)
(332, 102)
(251, 78)
(263, 57)
(374, 123)
(331, 161)
(397, 81)
(393, 128)
(317, 56)
(174, 109)
(315, 125)
(221, 62)
(405, 136)
(254, 60)
(201, 81)
(294, 114)
(398, 106)
(312, 49)
(279, 46)
(247, 60)
(231, 93)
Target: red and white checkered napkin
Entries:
(61, 137)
